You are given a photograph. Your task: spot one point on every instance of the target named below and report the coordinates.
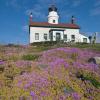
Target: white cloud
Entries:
(76, 3)
(37, 11)
(96, 8)
(66, 15)
(95, 11)
(40, 9)
(13, 3)
(17, 3)
(97, 3)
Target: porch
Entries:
(56, 34)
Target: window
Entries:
(54, 21)
(65, 37)
(36, 36)
(73, 38)
(45, 36)
(85, 40)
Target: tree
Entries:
(90, 39)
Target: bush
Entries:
(94, 82)
(46, 43)
(12, 45)
(30, 57)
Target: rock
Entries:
(43, 66)
(95, 60)
(92, 60)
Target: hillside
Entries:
(49, 73)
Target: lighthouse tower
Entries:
(53, 16)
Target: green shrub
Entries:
(46, 43)
(30, 57)
(94, 82)
(88, 77)
(12, 45)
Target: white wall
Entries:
(43, 30)
(70, 32)
(82, 36)
(53, 16)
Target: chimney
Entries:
(31, 16)
(72, 20)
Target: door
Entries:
(58, 37)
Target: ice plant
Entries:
(76, 96)
(58, 74)
(32, 93)
(2, 62)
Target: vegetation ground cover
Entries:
(58, 72)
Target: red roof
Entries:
(60, 25)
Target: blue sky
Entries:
(14, 17)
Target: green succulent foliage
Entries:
(30, 57)
(94, 82)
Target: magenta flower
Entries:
(43, 94)
(2, 62)
(32, 94)
(76, 96)
(22, 63)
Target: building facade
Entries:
(55, 31)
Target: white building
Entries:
(55, 31)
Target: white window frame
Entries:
(36, 36)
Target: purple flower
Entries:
(43, 94)
(61, 98)
(2, 62)
(19, 83)
(28, 85)
(66, 65)
(76, 96)
(32, 94)
(23, 63)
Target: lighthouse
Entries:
(53, 17)
(53, 30)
